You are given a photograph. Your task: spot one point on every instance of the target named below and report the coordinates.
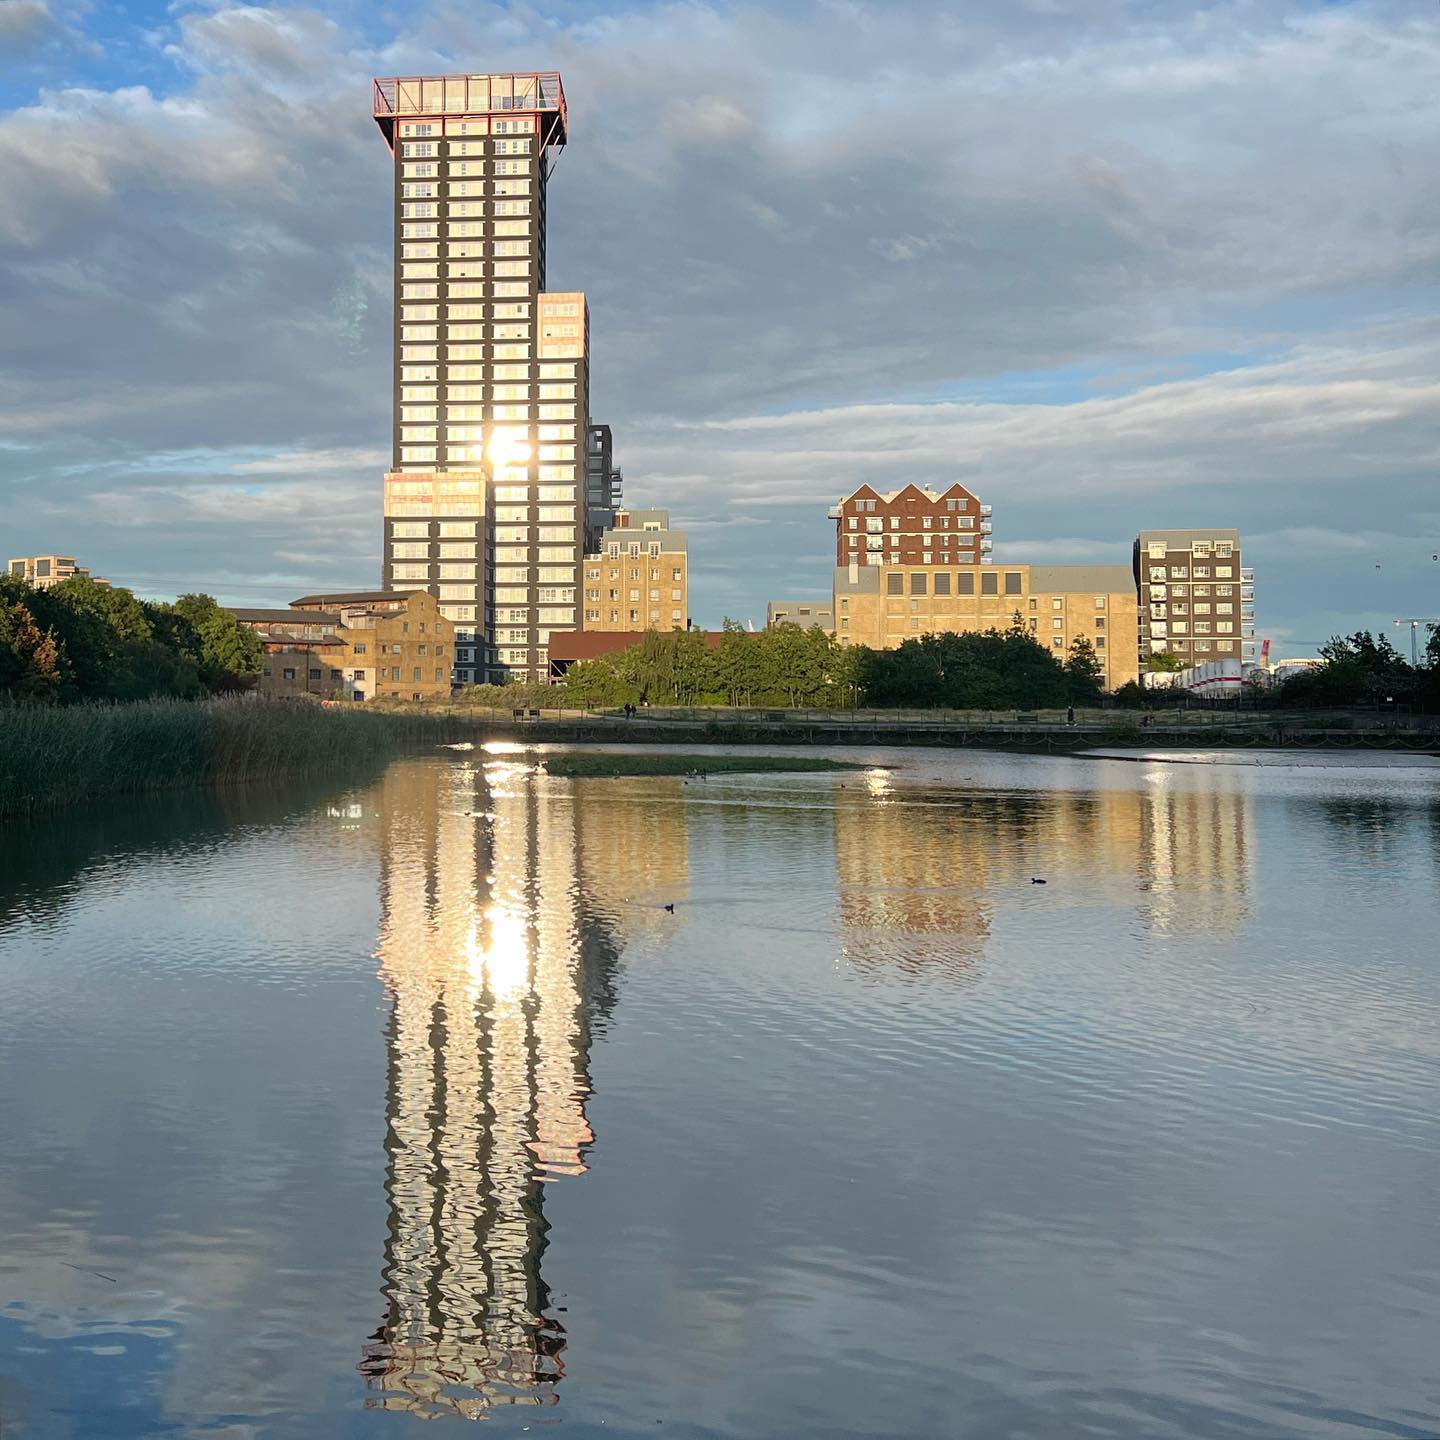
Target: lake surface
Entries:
(329, 1108)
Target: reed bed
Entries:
(59, 755)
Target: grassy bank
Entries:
(60, 755)
(586, 766)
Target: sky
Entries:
(1112, 264)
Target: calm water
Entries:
(327, 1110)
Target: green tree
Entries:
(1358, 669)
(1164, 662)
(227, 652)
(1084, 674)
(30, 659)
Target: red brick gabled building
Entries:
(911, 526)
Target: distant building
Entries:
(43, 571)
(883, 605)
(1197, 600)
(603, 484)
(804, 613)
(357, 645)
(638, 577)
(911, 526)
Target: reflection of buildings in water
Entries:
(634, 850)
(916, 869)
(480, 951)
(911, 884)
(1196, 855)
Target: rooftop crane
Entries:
(1430, 622)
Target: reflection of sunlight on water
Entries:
(506, 959)
(877, 782)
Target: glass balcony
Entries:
(986, 527)
(985, 509)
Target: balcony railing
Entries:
(986, 527)
(986, 509)
(834, 512)
(1247, 575)
(469, 94)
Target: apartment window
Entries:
(287, 674)
(357, 674)
(1058, 643)
(1057, 624)
(989, 583)
(315, 674)
(1099, 622)
(1099, 642)
(359, 649)
(965, 583)
(942, 583)
(895, 584)
(917, 583)
(1012, 582)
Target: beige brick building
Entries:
(359, 645)
(639, 577)
(883, 605)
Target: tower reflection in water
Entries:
(494, 978)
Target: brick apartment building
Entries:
(911, 526)
(1197, 599)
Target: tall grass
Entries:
(57, 755)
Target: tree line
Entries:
(808, 669)
(1361, 669)
(81, 641)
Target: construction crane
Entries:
(1430, 622)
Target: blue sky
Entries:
(1115, 265)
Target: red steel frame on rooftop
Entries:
(532, 92)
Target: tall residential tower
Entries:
(484, 500)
